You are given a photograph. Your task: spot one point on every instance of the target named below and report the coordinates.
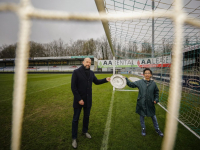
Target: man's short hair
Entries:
(146, 70)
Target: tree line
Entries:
(99, 48)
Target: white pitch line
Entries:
(48, 88)
(38, 91)
(33, 114)
(104, 144)
(127, 90)
(133, 79)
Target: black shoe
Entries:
(159, 132)
(143, 132)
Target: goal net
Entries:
(138, 30)
(150, 43)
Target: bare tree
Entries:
(37, 50)
(79, 46)
(47, 48)
(91, 46)
(133, 48)
(56, 48)
(106, 51)
(8, 51)
(61, 47)
(167, 46)
(146, 47)
(99, 48)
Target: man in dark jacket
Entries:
(147, 97)
(81, 85)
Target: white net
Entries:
(26, 12)
(139, 32)
(150, 42)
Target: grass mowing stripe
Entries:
(32, 84)
(39, 76)
(48, 88)
(39, 91)
(104, 145)
(48, 116)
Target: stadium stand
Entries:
(48, 64)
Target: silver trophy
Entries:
(118, 81)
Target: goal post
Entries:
(159, 42)
(122, 22)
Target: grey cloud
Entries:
(44, 31)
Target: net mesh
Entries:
(152, 40)
(123, 33)
(189, 112)
(139, 31)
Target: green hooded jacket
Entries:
(146, 97)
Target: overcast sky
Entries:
(44, 31)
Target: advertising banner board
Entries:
(188, 81)
(164, 61)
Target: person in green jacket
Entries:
(148, 96)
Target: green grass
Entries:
(48, 116)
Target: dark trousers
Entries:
(86, 116)
(154, 119)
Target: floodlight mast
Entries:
(152, 52)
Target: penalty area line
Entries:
(104, 144)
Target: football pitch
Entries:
(48, 117)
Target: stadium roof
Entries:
(53, 58)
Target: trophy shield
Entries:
(118, 81)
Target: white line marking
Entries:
(50, 80)
(48, 88)
(33, 114)
(180, 121)
(104, 144)
(127, 90)
(133, 79)
(38, 91)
